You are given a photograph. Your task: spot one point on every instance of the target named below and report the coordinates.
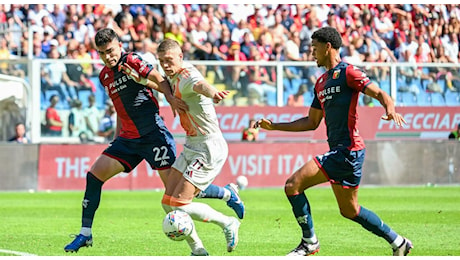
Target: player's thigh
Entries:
(347, 199)
(106, 167)
(305, 177)
(172, 177)
(164, 175)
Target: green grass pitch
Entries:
(129, 223)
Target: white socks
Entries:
(86, 231)
(203, 212)
(310, 240)
(397, 242)
(227, 195)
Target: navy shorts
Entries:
(342, 166)
(157, 148)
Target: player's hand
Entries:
(177, 105)
(264, 123)
(398, 118)
(181, 105)
(220, 96)
(132, 73)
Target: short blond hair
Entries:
(168, 44)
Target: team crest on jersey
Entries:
(336, 74)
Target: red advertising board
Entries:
(422, 122)
(64, 167)
(266, 164)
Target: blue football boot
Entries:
(79, 241)
(235, 202)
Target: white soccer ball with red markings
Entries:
(177, 225)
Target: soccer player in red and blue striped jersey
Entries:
(336, 99)
(140, 131)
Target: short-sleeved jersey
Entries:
(135, 103)
(336, 93)
(201, 119)
(52, 113)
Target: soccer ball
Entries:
(242, 182)
(177, 225)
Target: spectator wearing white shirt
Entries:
(36, 13)
(383, 25)
(176, 15)
(240, 30)
(353, 57)
(451, 47)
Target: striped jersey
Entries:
(135, 103)
(336, 93)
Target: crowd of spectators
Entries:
(273, 32)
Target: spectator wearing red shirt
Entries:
(250, 133)
(2, 14)
(53, 125)
(255, 19)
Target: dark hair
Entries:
(328, 34)
(167, 44)
(52, 97)
(105, 36)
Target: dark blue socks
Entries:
(91, 199)
(370, 221)
(302, 213)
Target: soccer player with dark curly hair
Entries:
(336, 100)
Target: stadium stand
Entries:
(420, 33)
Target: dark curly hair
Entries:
(105, 36)
(328, 34)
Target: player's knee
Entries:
(348, 213)
(291, 187)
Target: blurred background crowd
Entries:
(416, 33)
(372, 33)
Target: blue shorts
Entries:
(342, 166)
(157, 148)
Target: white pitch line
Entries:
(15, 252)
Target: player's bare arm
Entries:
(310, 122)
(209, 91)
(176, 103)
(374, 91)
(157, 82)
